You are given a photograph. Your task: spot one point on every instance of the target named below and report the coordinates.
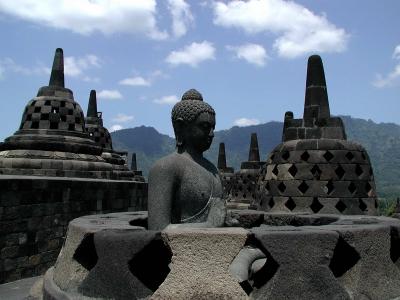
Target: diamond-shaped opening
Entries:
(44, 116)
(47, 102)
(271, 202)
(303, 187)
(352, 187)
(349, 156)
(305, 156)
(340, 172)
(362, 205)
(292, 170)
(86, 254)
(328, 155)
(53, 125)
(343, 259)
(259, 272)
(37, 109)
(275, 170)
(340, 206)
(368, 187)
(35, 125)
(62, 104)
(316, 206)
(267, 186)
(359, 170)
(329, 187)
(395, 245)
(290, 204)
(316, 171)
(285, 155)
(150, 265)
(260, 277)
(281, 187)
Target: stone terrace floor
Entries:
(17, 290)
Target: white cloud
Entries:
(75, 66)
(252, 53)
(396, 52)
(172, 99)
(89, 16)
(116, 127)
(135, 81)
(109, 95)
(392, 78)
(181, 16)
(122, 118)
(246, 122)
(299, 30)
(9, 65)
(192, 54)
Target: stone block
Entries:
(209, 253)
(9, 252)
(310, 266)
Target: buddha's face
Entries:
(200, 133)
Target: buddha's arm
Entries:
(161, 193)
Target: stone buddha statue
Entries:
(184, 187)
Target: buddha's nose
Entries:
(211, 133)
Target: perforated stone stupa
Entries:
(101, 136)
(244, 183)
(52, 140)
(315, 169)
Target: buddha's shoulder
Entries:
(169, 162)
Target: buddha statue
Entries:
(184, 187)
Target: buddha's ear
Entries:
(179, 125)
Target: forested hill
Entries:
(382, 142)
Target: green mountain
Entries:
(382, 142)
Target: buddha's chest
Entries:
(197, 186)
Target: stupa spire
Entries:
(221, 157)
(254, 154)
(57, 71)
(92, 106)
(316, 104)
(133, 162)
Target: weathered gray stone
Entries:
(209, 253)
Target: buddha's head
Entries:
(194, 122)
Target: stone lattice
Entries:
(315, 169)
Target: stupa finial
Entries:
(254, 154)
(92, 106)
(133, 162)
(316, 100)
(221, 157)
(57, 71)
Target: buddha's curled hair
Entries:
(190, 107)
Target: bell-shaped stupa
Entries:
(315, 169)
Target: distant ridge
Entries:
(382, 142)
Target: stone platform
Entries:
(306, 256)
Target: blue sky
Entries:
(247, 58)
